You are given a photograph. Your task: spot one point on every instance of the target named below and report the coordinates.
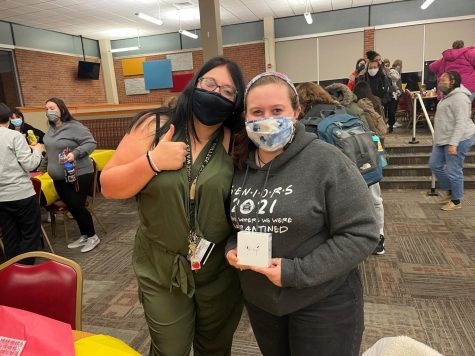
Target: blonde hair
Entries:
(310, 93)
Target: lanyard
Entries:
(192, 182)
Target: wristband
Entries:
(151, 164)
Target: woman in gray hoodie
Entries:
(315, 204)
(454, 135)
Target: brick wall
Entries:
(45, 75)
(108, 132)
(251, 59)
(368, 40)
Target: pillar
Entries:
(108, 72)
(211, 36)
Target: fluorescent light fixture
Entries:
(125, 49)
(149, 18)
(189, 34)
(308, 17)
(426, 4)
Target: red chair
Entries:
(52, 288)
(37, 187)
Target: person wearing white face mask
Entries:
(67, 140)
(315, 204)
(17, 122)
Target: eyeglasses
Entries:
(225, 90)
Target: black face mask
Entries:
(210, 107)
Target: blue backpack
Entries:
(351, 136)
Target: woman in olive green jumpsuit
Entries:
(181, 174)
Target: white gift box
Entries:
(254, 248)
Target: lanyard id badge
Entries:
(199, 253)
(199, 248)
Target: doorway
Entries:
(9, 89)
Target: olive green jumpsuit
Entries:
(184, 307)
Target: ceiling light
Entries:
(149, 18)
(125, 49)
(189, 34)
(308, 17)
(426, 4)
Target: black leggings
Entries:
(331, 327)
(390, 111)
(76, 202)
(20, 222)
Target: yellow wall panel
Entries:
(132, 66)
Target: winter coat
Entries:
(348, 99)
(461, 60)
(375, 120)
(380, 85)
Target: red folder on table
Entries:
(43, 336)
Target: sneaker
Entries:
(91, 243)
(397, 124)
(379, 250)
(451, 206)
(79, 242)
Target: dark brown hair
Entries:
(5, 113)
(458, 44)
(182, 114)
(455, 77)
(363, 90)
(242, 144)
(63, 109)
(311, 93)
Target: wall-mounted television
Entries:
(88, 70)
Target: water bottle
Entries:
(381, 153)
(69, 172)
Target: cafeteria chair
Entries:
(37, 187)
(60, 208)
(52, 288)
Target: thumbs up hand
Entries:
(169, 155)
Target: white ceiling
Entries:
(115, 19)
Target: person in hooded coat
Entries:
(460, 59)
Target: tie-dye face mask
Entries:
(271, 133)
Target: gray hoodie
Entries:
(316, 204)
(75, 136)
(16, 160)
(452, 122)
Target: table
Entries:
(101, 157)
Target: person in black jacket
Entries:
(17, 122)
(378, 81)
